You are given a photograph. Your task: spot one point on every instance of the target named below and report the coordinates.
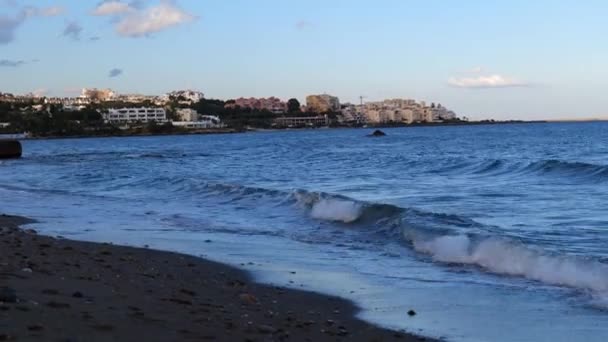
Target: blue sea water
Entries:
(491, 233)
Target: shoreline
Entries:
(254, 130)
(63, 290)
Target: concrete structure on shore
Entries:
(302, 121)
(322, 103)
(135, 115)
(203, 122)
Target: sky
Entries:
(543, 59)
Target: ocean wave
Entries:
(550, 167)
(336, 208)
(446, 239)
(504, 257)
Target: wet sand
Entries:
(62, 290)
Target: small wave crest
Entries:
(551, 167)
(335, 208)
(503, 257)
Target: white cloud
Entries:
(112, 7)
(486, 81)
(132, 20)
(153, 19)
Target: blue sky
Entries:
(513, 59)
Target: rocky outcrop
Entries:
(377, 133)
(10, 149)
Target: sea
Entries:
(487, 232)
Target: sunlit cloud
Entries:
(133, 20)
(486, 81)
(112, 7)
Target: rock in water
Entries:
(377, 133)
(10, 149)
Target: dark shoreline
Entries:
(61, 290)
(236, 131)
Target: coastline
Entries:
(64, 290)
(236, 131)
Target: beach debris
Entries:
(342, 331)
(26, 270)
(377, 133)
(411, 313)
(8, 295)
(77, 294)
(50, 292)
(5, 337)
(188, 292)
(266, 329)
(57, 305)
(247, 298)
(35, 327)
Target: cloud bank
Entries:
(132, 20)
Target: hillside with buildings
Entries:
(103, 110)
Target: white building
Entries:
(133, 115)
(203, 122)
(190, 96)
(187, 114)
(404, 111)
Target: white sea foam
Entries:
(503, 257)
(336, 210)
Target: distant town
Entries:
(104, 112)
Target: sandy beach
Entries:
(61, 290)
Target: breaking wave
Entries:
(447, 239)
(505, 257)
